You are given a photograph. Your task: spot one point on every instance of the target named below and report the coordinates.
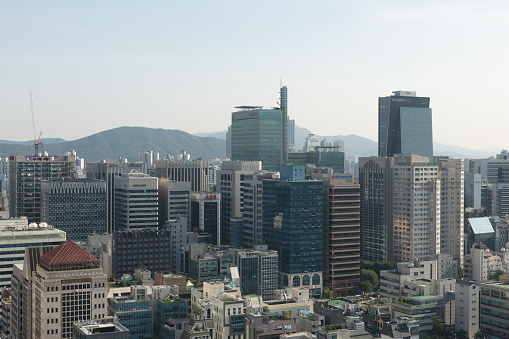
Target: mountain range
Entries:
(128, 142)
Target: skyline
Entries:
(94, 66)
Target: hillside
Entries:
(127, 142)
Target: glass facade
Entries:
(134, 315)
(416, 131)
(392, 134)
(259, 134)
(166, 309)
(293, 223)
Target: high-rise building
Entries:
(452, 209)
(404, 125)
(206, 214)
(229, 142)
(467, 307)
(228, 183)
(70, 287)
(15, 236)
(135, 201)
(194, 171)
(293, 226)
(252, 207)
(174, 200)
(473, 190)
(415, 208)
(76, 206)
(341, 233)
(291, 134)
(25, 176)
(108, 171)
(375, 179)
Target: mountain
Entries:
(127, 142)
(220, 135)
(31, 142)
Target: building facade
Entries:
(174, 200)
(194, 171)
(206, 214)
(76, 206)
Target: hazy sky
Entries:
(96, 65)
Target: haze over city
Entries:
(178, 65)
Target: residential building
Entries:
(106, 328)
(375, 180)
(467, 307)
(404, 125)
(228, 184)
(492, 309)
(76, 206)
(259, 134)
(416, 208)
(16, 235)
(109, 171)
(341, 233)
(293, 226)
(25, 176)
(206, 214)
(174, 200)
(452, 208)
(70, 286)
(194, 171)
(136, 202)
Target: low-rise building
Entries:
(467, 307)
(107, 328)
(421, 308)
(309, 321)
(133, 312)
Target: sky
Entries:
(97, 65)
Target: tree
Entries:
(369, 280)
(438, 328)
(326, 293)
(495, 275)
(479, 335)
(461, 274)
(462, 334)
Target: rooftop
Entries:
(68, 256)
(481, 225)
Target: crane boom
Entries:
(37, 141)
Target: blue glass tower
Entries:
(293, 226)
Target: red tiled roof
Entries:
(68, 253)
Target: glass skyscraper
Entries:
(261, 134)
(404, 125)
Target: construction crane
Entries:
(37, 141)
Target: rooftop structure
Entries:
(107, 328)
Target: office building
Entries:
(416, 208)
(229, 142)
(134, 312)
(109, 171)
(341, 233)
(291, 134)
(375, 180)
(141, 248)
(15, 236)
(492, 309)
(228, 184)
(70, 286)
(259, 134)
(252, 207)
(194, 171)
(206, 214)
(178, 240)
(293, 226)
(76, 206)
(166, 304)
(404, 125)
(174, 200)
(106, 328)
(324, 158)
(25, 176)
(472, 190)
(258, 272)
(467, 307)
(136, 202)
(452, 208)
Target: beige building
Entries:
(415, 208)
(68, 286)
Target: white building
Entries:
(467, 307)
(481, 262)
(15, 235)
(416, 208)
(311, 143)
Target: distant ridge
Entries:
(126, 142)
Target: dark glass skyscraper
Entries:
(404, 125)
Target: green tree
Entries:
(367, 265)
(479, 335)
(326, 293)
(495, 275)
(369, 280)
(461, 273)
(438, 329)
(462, 334)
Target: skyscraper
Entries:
(26, 174)
(404, 125)
(293, 225)
(259, 134)
(194, 171)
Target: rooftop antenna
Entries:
(37, 141)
